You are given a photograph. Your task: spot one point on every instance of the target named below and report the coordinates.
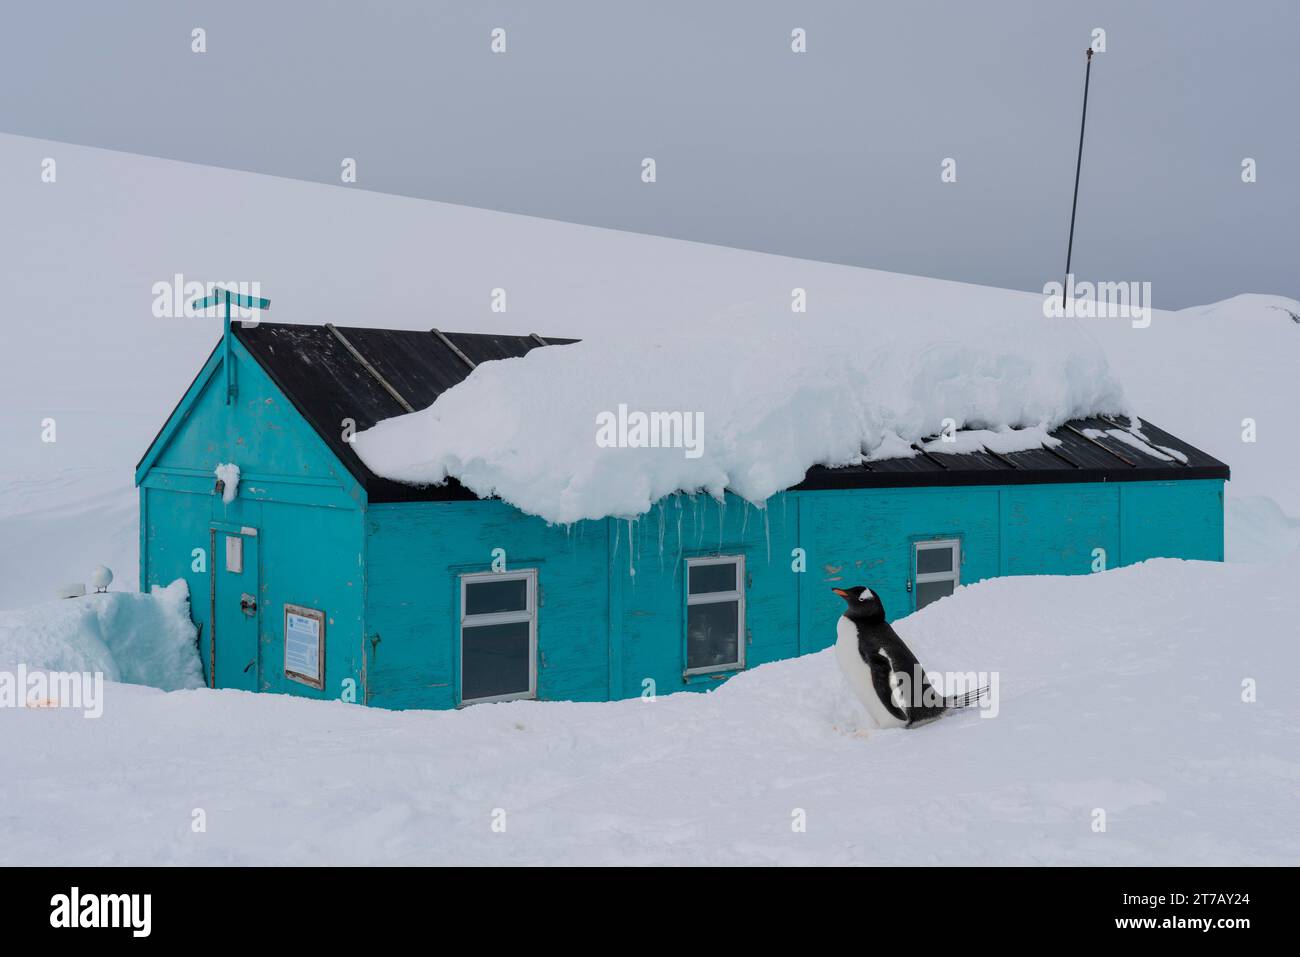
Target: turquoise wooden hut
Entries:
(316, 577)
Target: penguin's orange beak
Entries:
(841, 592)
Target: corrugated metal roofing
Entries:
(1079, 458)
(326, 372)
(335, 373)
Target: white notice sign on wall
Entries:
(303, 629)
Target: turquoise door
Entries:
(234, 606)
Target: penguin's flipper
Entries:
(882, 680)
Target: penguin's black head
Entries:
(864, 604)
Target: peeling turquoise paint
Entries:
(611, 611)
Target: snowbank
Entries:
(129, 637)
(1131, 701)
(774, 393)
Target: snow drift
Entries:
(129, 637)
(775, 393)
(1132, 702)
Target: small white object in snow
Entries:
(70, 590)
(228, 473)
(101, 577)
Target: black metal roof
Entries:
(1082, 456)
(331, 373)
(334, 373)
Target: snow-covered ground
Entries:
(1120, 692)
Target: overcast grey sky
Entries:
(832, 154)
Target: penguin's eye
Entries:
(866, 594)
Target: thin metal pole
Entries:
(1078, 165)
(230, 372)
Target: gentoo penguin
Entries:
(882, 671)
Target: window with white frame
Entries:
(715, 614)
(498, 636)
(937, 569)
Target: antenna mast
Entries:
(1078, 164)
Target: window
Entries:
(715, 614)
(498, 636)
(937, 567)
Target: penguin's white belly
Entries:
(858, 675)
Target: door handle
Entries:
(249, 665)
(248, 604)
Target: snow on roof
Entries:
(746, 402)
